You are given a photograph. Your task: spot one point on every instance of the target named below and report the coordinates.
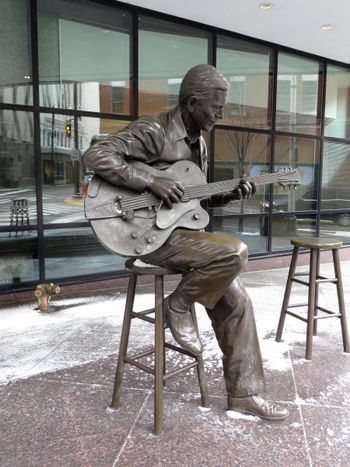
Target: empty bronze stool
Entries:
(158, 370)
(315, 244)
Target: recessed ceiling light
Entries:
(327, 26)
(266, 6)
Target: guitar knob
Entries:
(196, 217)
(150, 239)
(139, 249)
(134, 234)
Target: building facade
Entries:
(71, 70)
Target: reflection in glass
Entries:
(301, 154)
(286, 227)
(17, 174)
(238, 154)
(246, 229)
(84, 56)
(76, 252)
(246, 66)
(297, 95)
(336, 225)
(19, 260)
(165, 55)
(337, 111)
(65, 179)
(335, 190)
(15, 60)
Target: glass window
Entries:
(17, 174)
(247, 68)
(336, 225)
(15, 57)
(301, 154)
(84, 56)
(166, 52)
(297, 95)
(65, 179)
(238, 154)
(19, 260)
(337, 112)
(76, 252)
(247, 229)
(288, 226)
(335, 190)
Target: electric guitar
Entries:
(132, 224)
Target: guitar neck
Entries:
(203, 191)
(216, 188)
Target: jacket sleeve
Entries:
(110, 157)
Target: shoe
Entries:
(183, 329)
(258, 406)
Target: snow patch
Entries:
(240, 416)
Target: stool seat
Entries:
(316, 242)
(144, 269)
(314, 310)
(158, 369)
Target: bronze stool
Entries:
(315, 244)
(158, 370)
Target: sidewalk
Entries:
(56, 380)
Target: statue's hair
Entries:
(200, 81)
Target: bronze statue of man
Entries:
(209, 263)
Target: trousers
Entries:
(210, 265)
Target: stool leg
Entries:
(340, 293)
(159, 355)
(286, 297)
(311, 303)
(124, 339)
(316, 292)
(200, 368)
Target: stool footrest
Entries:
(303, 318)
(178, 349)
(180, 370)
(330, 314)
(143, 315)
(320, 280)
(133, 361)
(143, 367)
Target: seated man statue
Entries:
(209, 263)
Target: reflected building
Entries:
(74, 70)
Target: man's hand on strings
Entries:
(167, 189)
(245, 190)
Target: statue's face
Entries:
(206, 112)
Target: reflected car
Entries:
(331, 199)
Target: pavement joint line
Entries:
(69, 333)
(131, 429)
(307, 448)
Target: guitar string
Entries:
(196, 191)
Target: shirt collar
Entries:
(179, 130)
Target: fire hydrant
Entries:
(43, 293)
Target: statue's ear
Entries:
(191, 103)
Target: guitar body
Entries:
(137, 232)
(133, 224)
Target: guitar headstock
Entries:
(288, 177)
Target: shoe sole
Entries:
(268, 419)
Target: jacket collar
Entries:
(179, 131)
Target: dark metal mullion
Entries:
(321, 110)
(225, 126)
(37, 148)
(211, 159)
(134, 65)
(272, 101)
(84, 113)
